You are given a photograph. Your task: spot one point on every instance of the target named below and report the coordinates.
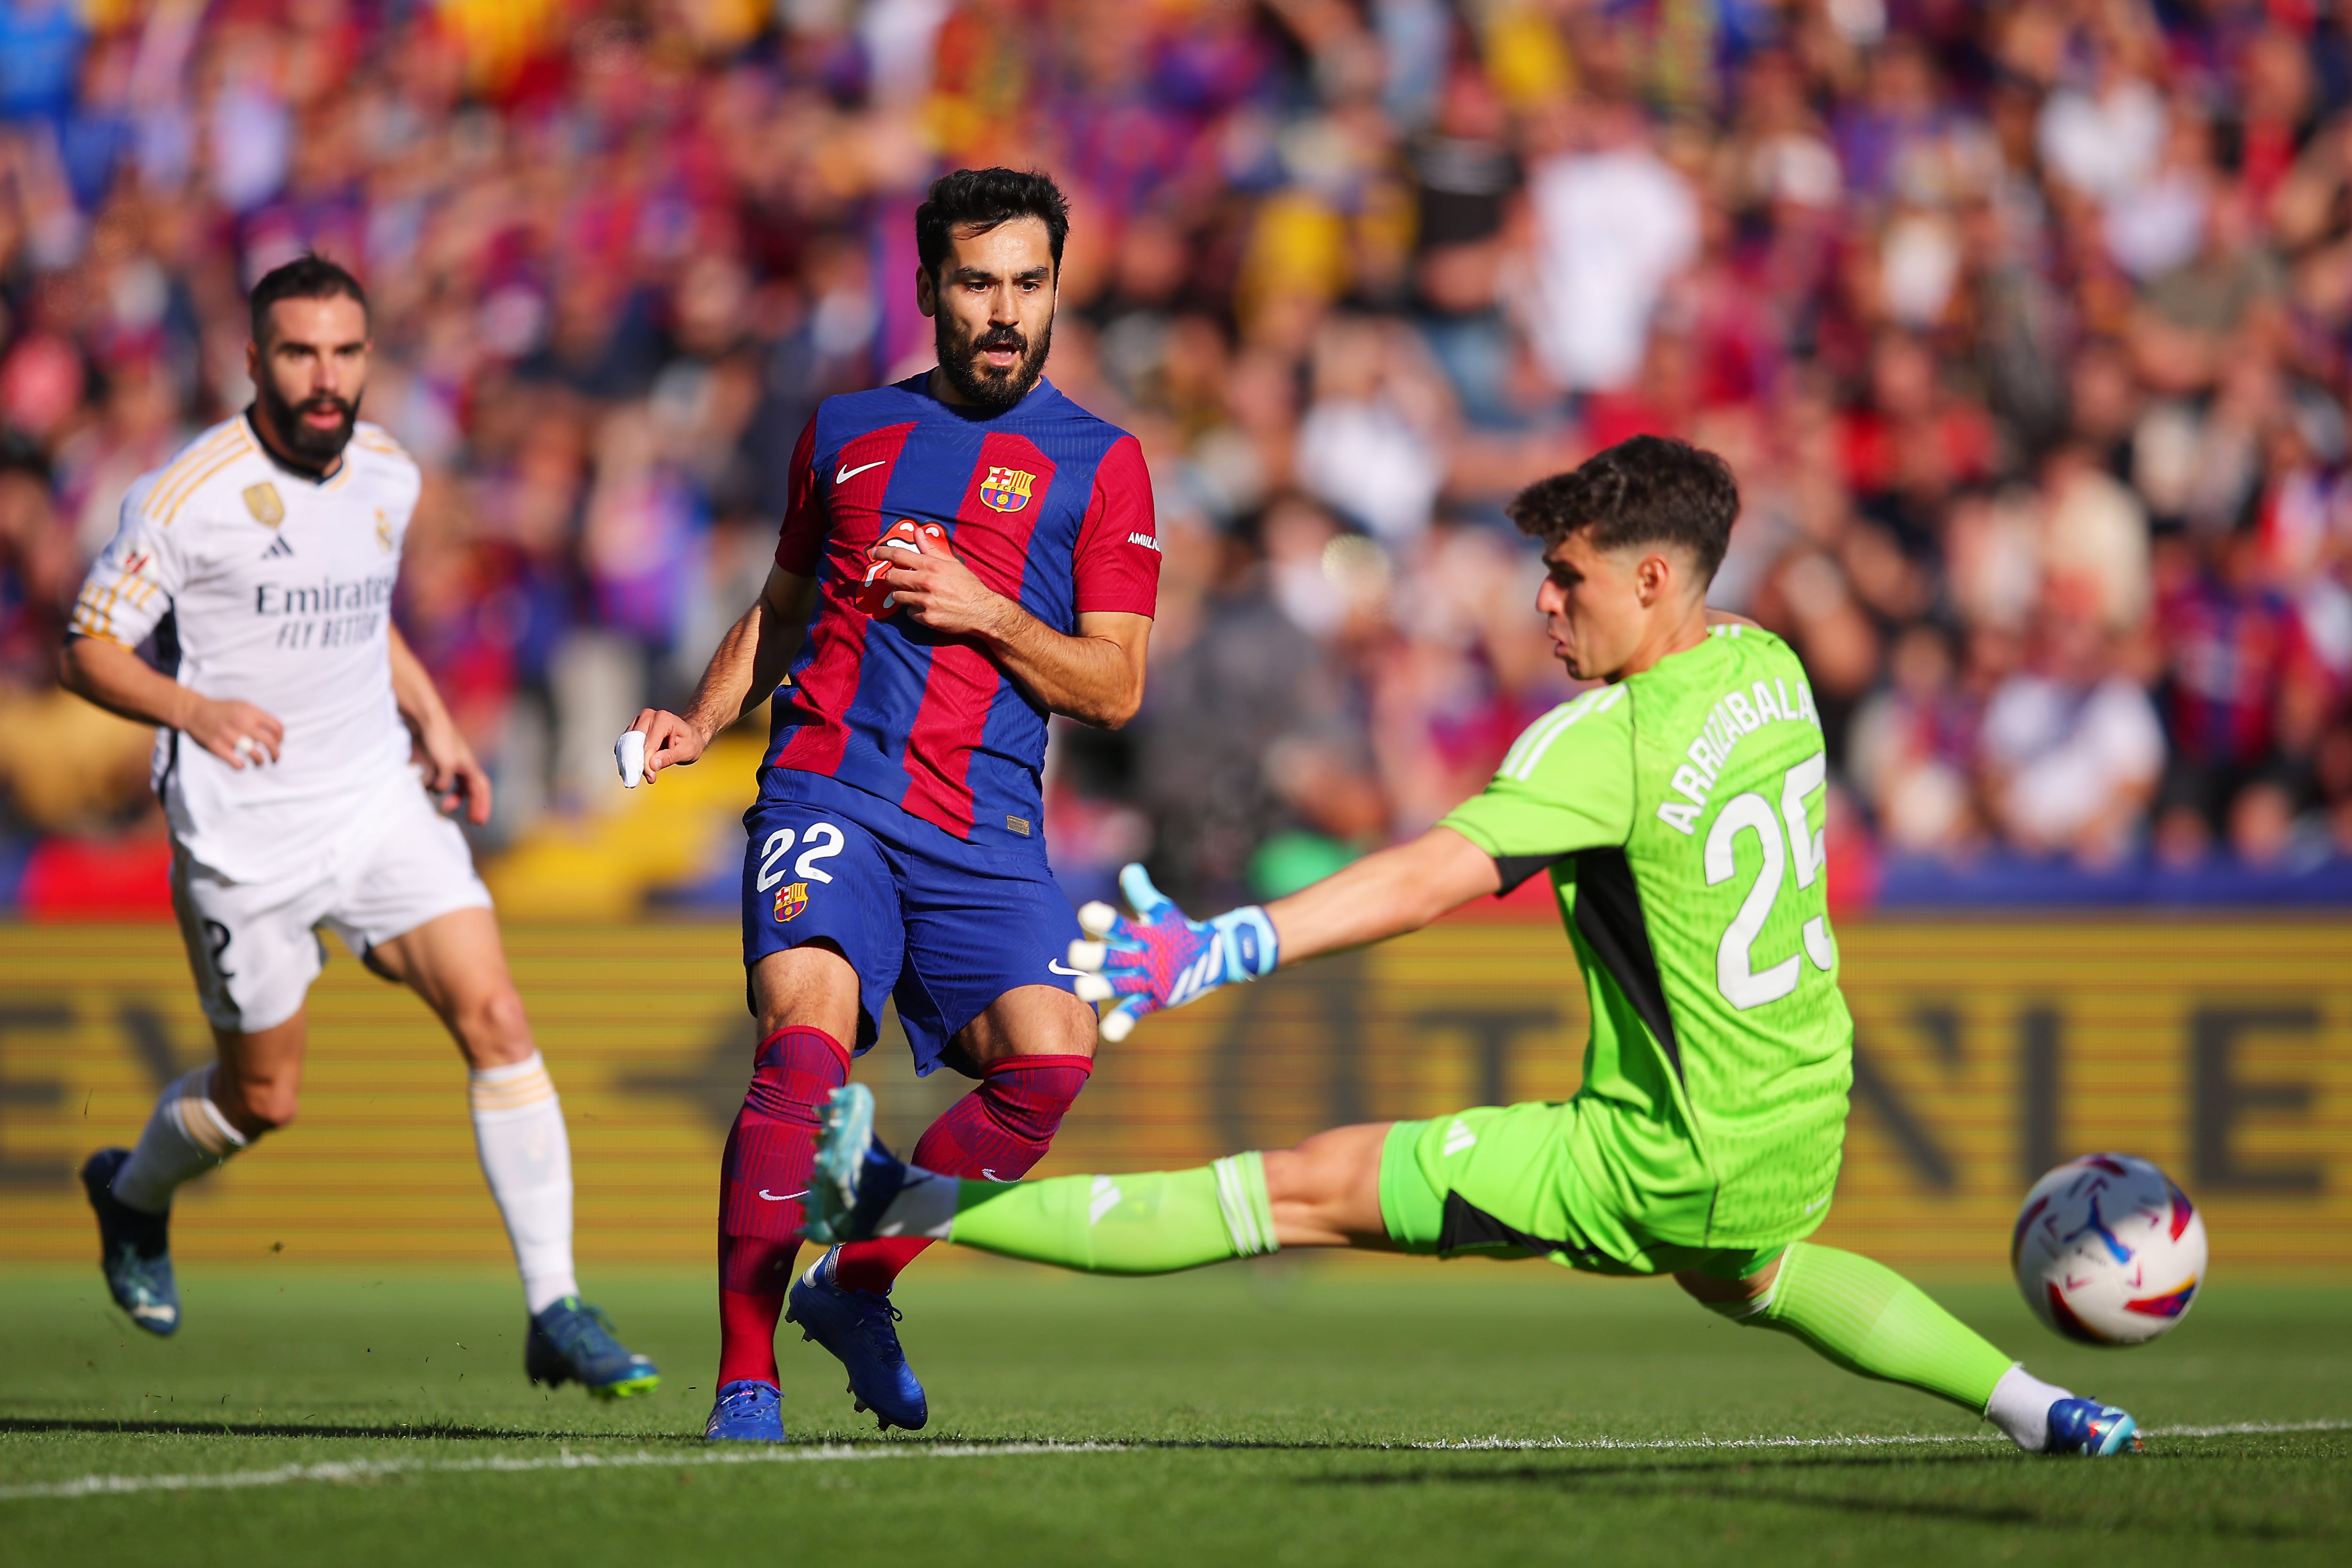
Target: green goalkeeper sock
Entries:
(1868, 1319)
(1153, 1222)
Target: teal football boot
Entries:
(572, 1341)
(134, 1248)
(2086, 1428)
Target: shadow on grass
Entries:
(1709, 1480)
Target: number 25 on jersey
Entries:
(1736, 975)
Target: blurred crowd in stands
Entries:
(2025, 324)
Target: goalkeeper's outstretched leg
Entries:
(1361, 1187)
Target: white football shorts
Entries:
(256, 947)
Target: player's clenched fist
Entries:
(937, 590)
(669, 741)
(1158, 958)
(236, 732)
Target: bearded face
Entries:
(973, 361)
(310, 371)
(991, 300)
(316, 429)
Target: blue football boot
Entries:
(2090, 1429)
(747, 1411)
(856, 1177)
(572, 1341)
(860, 1328)
(134, 1248)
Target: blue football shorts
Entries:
(942, 926)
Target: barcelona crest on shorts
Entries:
(791, 900)
(1006, 489)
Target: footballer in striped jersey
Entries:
(965, 552)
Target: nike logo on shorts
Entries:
(1056, 965)
(841, 476)
(782, 1198)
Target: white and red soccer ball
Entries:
(2109, 1251)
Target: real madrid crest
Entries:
(263, 502)
(1006, 489)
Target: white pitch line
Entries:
(2248, 1428)
(1859, 1441)
(371, 1470)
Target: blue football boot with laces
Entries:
(572, 1341)
(747, 1411)
(860, 1328)
(134, 1248)
(2091, 1430)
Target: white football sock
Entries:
(527, 1157)
(2019, 1406)
(186, 1136)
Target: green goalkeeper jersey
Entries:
(1680, 813)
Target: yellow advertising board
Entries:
(1986, 1052)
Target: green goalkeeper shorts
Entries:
(1504, 1182)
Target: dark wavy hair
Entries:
(1651, 490)
(987, 197)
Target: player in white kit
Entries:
(292, 720)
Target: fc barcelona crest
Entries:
(790, 900)
(1006, 489)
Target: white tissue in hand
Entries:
(629, 752)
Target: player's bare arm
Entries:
(1096, 677)
(456, 776)
(749, 663)
(118, 680)
(1397, 891)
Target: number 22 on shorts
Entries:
(823, 842)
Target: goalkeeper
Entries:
(1678, 810)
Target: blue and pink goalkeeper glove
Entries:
(1157, 958)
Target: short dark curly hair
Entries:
(307, 277)
(1650, 490)
(987, 197)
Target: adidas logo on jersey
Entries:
(277, 546)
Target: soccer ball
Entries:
(2109, 1251)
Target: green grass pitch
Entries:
(1280, 1413)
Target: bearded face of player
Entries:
(992, 306)
(307, 379)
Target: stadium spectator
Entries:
(1992, 307)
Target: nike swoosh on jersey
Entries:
(782, 1198)
(843, 475)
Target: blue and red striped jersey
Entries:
(1048, 505)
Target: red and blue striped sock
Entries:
(761, 1183)
(998, 1132)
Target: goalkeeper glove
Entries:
(1158, 958)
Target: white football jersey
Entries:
(279, 593)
